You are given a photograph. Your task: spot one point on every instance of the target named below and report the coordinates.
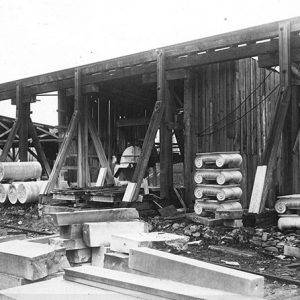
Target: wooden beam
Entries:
(272, 60)
(285, 81)
(170, 75)
(166, 149)
(155, 120)
(189, 137)
(39, 149)
(139, 63)
(100, 152)
(271, 150)
(86, 89)
(60, 159)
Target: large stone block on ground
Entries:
(100, 233)
(69, 244)
(178, 268)
(79, 256)
(73, 231)
(144, 287)
(8, 281)
(124, 242)
(58, 288)
(31, 261)
(97, 215)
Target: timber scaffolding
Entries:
(229, 102)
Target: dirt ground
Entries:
(16, 218)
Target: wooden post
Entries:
(188, 114)
(81, 151)
(86, 140)
(23, 113)
(289, 133)
(165, 94)
(61, 109)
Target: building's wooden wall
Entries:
(232, 115)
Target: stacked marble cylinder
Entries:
(217, 180)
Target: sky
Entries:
(40, 36)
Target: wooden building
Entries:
(220, 93)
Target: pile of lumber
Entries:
(25, 261)
(217, 191)
(19, 182)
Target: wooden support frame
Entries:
(189, 136)
(166, 149)
(153, 127)
(63, 152)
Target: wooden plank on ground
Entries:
(142, 287)
(187, 270)
(257, 190)
(58, 288)
(99, 215)
(100, 233)
(31, 261)
(124, 242)
(129, 192)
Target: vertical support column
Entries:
(81, 153)
(166, 149)
(23, 113)
(86, 115)
(61, 109)
(189, 136)
(287, 133)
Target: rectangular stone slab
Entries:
(124, 242)
(31, 261)
(8, 281)
(100, 233)
(174, 267)
(143, 287)
(99, 215)
(73, 231)
(203, 220)
(69, 244)
(79, 256)
(58, 288)
(229, 214)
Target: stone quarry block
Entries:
(69, 244)
(233, 223)
(99, 234)
(79, 256)
(229, 214)
(31, 261)
(203, 220)
(73, 231)
(58, 288)
(116, 261)
(98, 255)
(98, 215)
(291, 251)
(123, 243)
(43, 239)
(8, 281)
(178, 268)
(142, 286)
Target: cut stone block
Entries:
(178, 268)
(99, 215)
(69, 244)
(31, 261)
(291, 251)
(99, 234)
(229, 214)
(7, 238)
(233, 223)
(203, 220)
(116, 261)
(123, 243)
(8, 281)
(79, 256)
(43, 239)
(143, 287)
(73, 231)
(58, 288)
(98, 255)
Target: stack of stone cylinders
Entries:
(217, 179)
